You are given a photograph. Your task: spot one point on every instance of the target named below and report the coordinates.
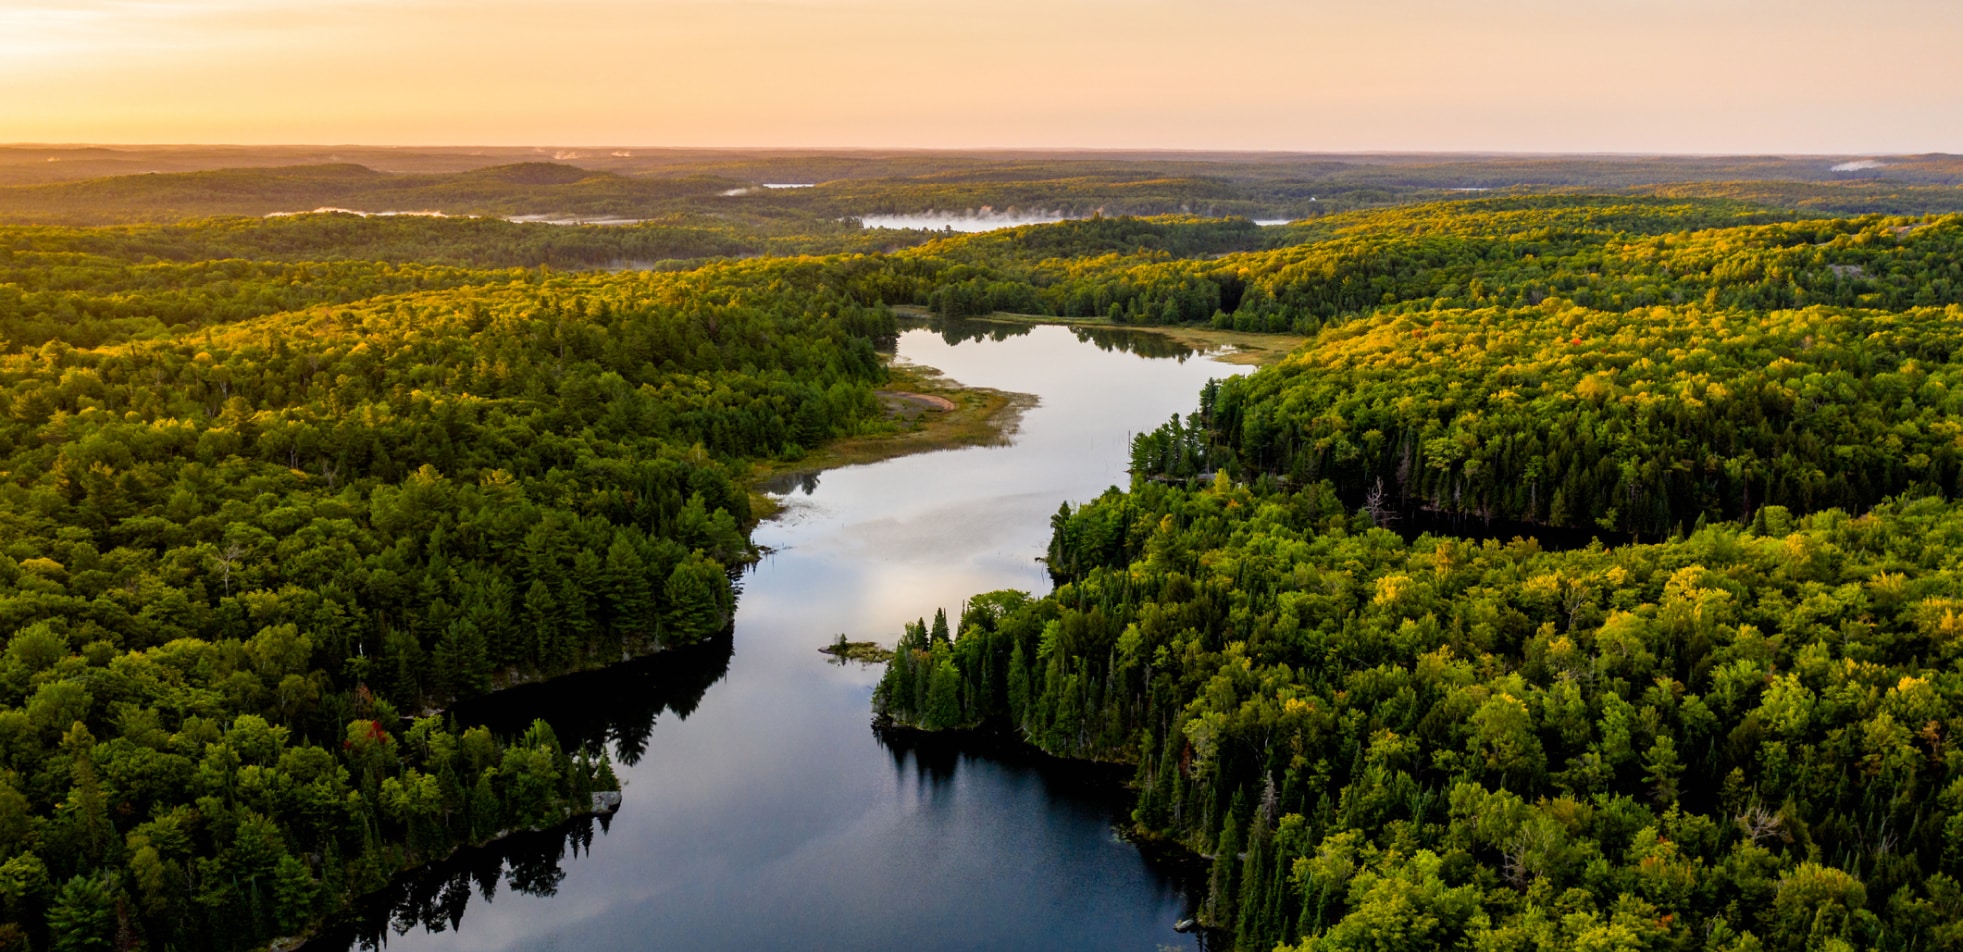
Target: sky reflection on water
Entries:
(761, 811)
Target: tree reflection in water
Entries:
(934, 758)
(614, 709)
(1144, 343)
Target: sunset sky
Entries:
(1512, 75)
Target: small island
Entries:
(864, 652)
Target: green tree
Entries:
(83, 915)
(697, 596)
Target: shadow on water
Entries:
(768, 801)
(962, 330)
(618, 707)
(796, 481)
(933, 760)
(435, 897)
(1147, 344)
(614, 707)
(1144, 343)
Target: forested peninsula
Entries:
(1725, 723)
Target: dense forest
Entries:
(1727, 727)
(1643, 387)
(284, 497)
(265, 519)
(1736, 739)
(1610, 253)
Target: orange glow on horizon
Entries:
(1719, 76)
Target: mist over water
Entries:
(574, 220)
(332, 210)
(761, 811)
(984, 219)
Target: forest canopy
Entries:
(279, 492)
(264, 520)
(1342, 628)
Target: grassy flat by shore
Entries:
(980, 416)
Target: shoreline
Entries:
(1002, 742)
(363, 905)
(936, 413)
(1246, 348)
(942, 414)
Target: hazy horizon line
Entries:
(988, 149)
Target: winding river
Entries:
(761, 810)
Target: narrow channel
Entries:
(761, 811)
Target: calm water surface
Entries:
(761, 811)
(971, 221)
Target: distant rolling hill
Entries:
(621, 185)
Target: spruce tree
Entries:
(944, 693)
(628, 590)
(83, 916)
(1224, 881)
(1018, 688)
(695, 592)
(541, 621)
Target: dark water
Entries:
(761, 810)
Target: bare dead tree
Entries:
(1375, 506)
(1761, 824)
(226, 559)
(1525, 853)
(1513, 866)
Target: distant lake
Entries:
(761, 810)
(972, 220)
(572, 220)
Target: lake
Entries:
(761, 811)
(969, 221)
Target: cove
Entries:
(761, 810)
